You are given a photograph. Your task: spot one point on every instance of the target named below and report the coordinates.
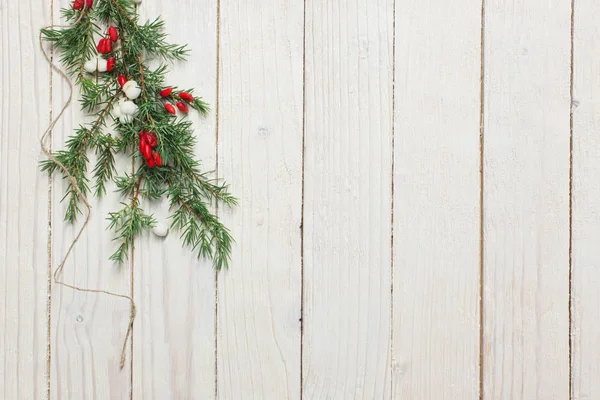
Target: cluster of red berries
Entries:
(185, 96)
(147, 143)
(78, 4)
(105, 45)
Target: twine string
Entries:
(88, 208)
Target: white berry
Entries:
(128, 107)
(116, 111)
(90, 65)
(102, 65)
(132, 90)
(160, 229)
(125, 118)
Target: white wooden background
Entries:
(419, 215)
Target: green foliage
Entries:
(105, 164)
(75, 160)
(75, 43)
(96, 92)
(150, 38)
(192, 194)
(127, 223)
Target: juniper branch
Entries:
(178, 177)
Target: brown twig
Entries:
(87, 38)
(123, 13)
(96, 124)
(137, 190)
(142, 77)
(185, 204)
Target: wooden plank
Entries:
(436, 200)
(260, 155)
(586, 192)
(24, 217)
(526, 200)
(347, 203)
(87, 329)
(174, 336)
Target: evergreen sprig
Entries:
(191, 193)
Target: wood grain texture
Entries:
(174, 336)
(347, 224)
(260, 155)
(436, 201)
(88, 329)
(586, 194)
(391, 300)
(24, 224)
(526, 200)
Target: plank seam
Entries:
(302, 206)
(570, 272)
(131, 291)
(49, 242)
(131, 286)
(481, 195)
(391, 349)
(216, 294)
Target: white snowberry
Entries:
(125, 110)
(126, 118)
(90, 65)
(116, 111)
(95, 64)
(102, 64)
(161, 229)
(132, 90)
(128, 107)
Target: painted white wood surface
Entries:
(260, 155)
(436, 201)
(586, 194)
(347, 202)
(87, 329)
(526, 200)
(174, 335)
(328, 75)
(24, 216)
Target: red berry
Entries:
(157, 159)
(170, 109)
(148, 137)
(108, 45)
(186, 96)
(182, 107)
(122, 80)
(104, 46)
(166, 92)
(145, 149)
(110, 64)
(150, 162)
(89, 3)
(151, 139)
(112, 33)
(77, 4)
